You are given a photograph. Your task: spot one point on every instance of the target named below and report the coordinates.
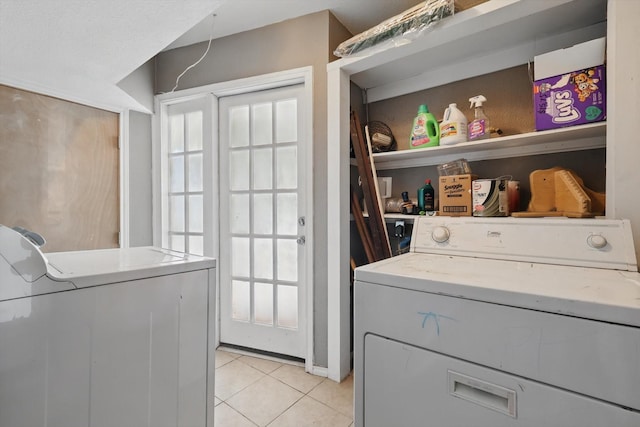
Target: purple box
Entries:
(570, 99)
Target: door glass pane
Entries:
(238, 171)
(176, 213)
(176, 133)
(194, 130)
(177, 243)
(262, 169)
(288, 306)
(176, 174)
(196, 245)
(263, 213)
(239, 213)
(240, 300)
(287, 214)
(287, 167)
(287, 260)
(240, 254)
(287, 120)
(196, 224)
(262, 124)
(239, 126)
(262, 258)
(263, 303)
(195, 172)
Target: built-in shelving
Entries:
(492, 36)
(576, 138)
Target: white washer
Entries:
(501, 322)
(116, 337)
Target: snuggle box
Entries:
(570, 86)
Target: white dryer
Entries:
(116, 337)
(501, 322)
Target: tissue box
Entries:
(570, 86)
(455, 195)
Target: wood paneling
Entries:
(59, 170)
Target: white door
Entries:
(262, 220)
(187, 175)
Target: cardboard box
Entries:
(455, 195)
(570, 86)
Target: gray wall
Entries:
(306, 41)
(139, 85)
(140, 180)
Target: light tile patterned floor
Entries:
(252, 392)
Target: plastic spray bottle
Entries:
(426, 199)
(425, 131)
(479, 127)
(453, 128)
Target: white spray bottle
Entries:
(479, 127)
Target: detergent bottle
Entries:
(425, 131)
(479, 127)
(453, 128)
(426, 199)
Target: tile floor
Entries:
(252, 392)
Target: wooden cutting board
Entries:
(570, 197)
(560, 192)
(543, 190)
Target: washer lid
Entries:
(22, 255)
(95, 267)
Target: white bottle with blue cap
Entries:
(453, 128)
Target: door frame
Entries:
(304, 76)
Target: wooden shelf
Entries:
(575, 138)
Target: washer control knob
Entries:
(597, 241)
(440, 234)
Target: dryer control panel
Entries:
(599, 243)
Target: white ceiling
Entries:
(80, 49)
